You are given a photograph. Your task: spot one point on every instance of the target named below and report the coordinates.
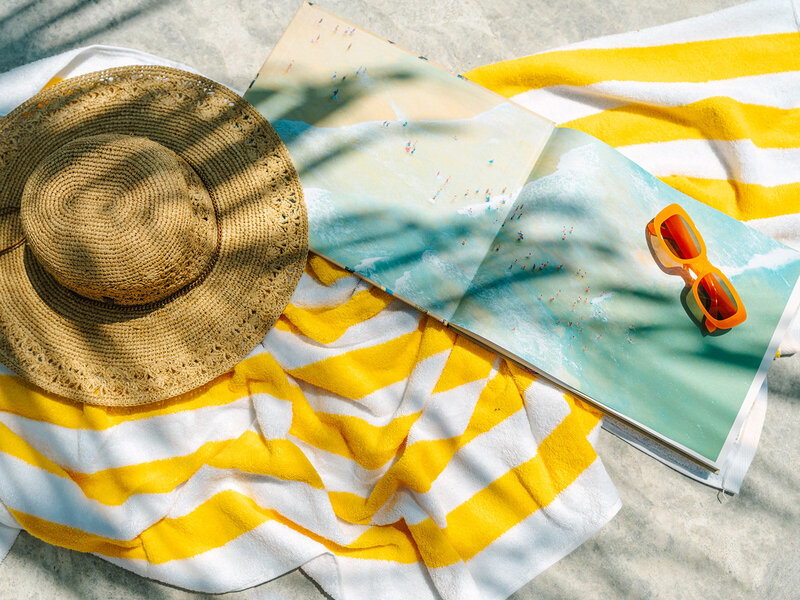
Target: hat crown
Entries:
(119, 219)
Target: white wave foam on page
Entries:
(774, 259)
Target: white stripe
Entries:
(473, 467)
(784, 228)
(752, 18)
(273, 549)
(546, 407)
(455, 582)
(488, 456)
(292, 350)
(385, 580)
(497, 571)
(8, 536)
(378, 408)
(310, 293)
(6, 518)
(295, 500)
(564, 103)
(739, 160)
(771, 89)
(445, 415)
(484, 459)
(324, 571)
(576, 514)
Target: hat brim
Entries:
(124, 356)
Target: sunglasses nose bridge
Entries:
(700, 267)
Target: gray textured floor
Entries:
(673, 538)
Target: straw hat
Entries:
(152, 229)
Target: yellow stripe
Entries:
(360, 372)
(327, 324)
(368, 445)
(692, 61)
(354, 438)
(214, 523)
(323, 270)
(435, 549)
(516, 495)
(436, 338)
(251, 453)
(742, 201)
(467, 362)
(258, 374)
(717, 118)
(523, 378)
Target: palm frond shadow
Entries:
(27, 29)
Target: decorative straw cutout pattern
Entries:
(163, 231)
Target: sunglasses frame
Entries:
(699, 265)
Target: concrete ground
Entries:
(673, 538)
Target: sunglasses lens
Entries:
(716, 297)
(680, 238)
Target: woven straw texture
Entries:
(152, 229)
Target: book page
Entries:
(407, 170)
(572, 288)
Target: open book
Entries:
(529, 238)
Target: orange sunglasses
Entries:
(714, 293)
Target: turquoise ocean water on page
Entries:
(571, 287)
